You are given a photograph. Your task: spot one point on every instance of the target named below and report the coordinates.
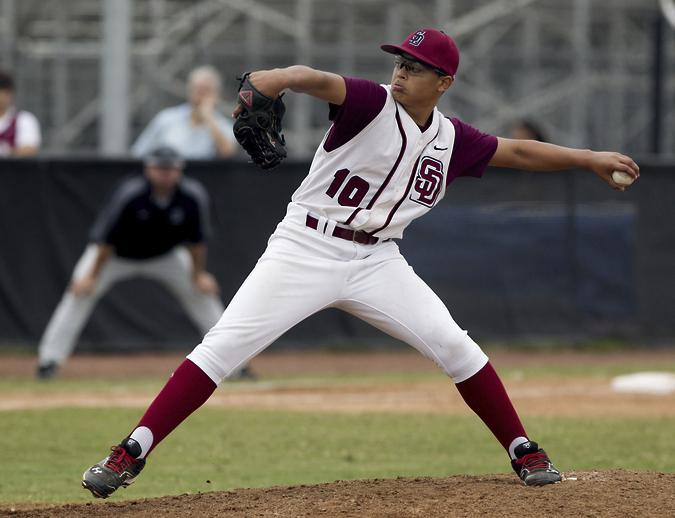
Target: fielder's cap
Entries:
(166, 157)
(431, 47)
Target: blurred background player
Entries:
(196, 129)
(19, 129)
(154, 226)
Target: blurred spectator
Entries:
(19, 129)
(526, 129)
(195, 129)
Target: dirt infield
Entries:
(588, 494)
(311, 382)
(541, 395)
(303, 362)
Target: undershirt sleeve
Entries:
(472, 151)
(364, 100)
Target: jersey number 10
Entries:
(352, 192)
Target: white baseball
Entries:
(621, 178)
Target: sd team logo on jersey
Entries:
(428, 182)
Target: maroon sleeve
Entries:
(472, 151)
(363, 102)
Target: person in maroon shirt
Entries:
(19, 129)
(424, 69)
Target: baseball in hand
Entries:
(622, 179)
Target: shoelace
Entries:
(119, 460)
(533, 461)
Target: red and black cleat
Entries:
(533, 466)
(119, 469)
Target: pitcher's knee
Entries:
(207, 361)
(219, 362)
(461, 358)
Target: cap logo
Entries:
(417, 38)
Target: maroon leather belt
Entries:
(358, 236)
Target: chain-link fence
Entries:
(589, 72)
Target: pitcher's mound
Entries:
(593, 494)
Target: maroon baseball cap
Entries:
(431, 47)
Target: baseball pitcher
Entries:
(388, 157)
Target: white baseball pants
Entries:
(304, 271)
(172, 269)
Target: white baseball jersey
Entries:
(384, 177)
(376, 170)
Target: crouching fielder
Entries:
(155, 226)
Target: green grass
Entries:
(608, 370)
(46, 451)
(87, 386)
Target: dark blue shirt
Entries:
(140, 227)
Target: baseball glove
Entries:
(258, 126)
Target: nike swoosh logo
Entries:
(440, 148)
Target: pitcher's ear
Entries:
(445, 83)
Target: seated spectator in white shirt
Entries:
(19, 129)
(195, 129)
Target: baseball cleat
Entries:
(117, 469)
(46, 371)
(533, 466)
